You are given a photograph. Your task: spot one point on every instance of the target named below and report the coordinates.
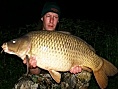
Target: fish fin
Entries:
(107, 69)
(110, 69)
(55, 75)
(86, 68)
(65, 32)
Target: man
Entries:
(50, 18)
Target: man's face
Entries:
(50, 21)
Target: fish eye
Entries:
(14, 41)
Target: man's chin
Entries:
(51, 29)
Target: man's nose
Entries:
(51, 20)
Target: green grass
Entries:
(102, 36)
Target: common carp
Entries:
(57, 52)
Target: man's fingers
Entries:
(76, 69)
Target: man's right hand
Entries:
(32, 68)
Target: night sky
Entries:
(28, 11)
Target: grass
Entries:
(102, 36)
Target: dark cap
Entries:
(50, 7)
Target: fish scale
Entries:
(57, 52)
(62, 46)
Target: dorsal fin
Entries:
(65, 32)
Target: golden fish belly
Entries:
(53, 59)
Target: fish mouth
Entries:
(5, 47)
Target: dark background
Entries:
(28, 11)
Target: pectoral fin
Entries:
(86, 68)
(55, 75)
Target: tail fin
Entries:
(107, 69)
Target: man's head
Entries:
(50, 16)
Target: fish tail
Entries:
(107, 69)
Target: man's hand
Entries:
(32, 62)
(76, 69)
(32, 65)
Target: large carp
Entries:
(59, 52)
